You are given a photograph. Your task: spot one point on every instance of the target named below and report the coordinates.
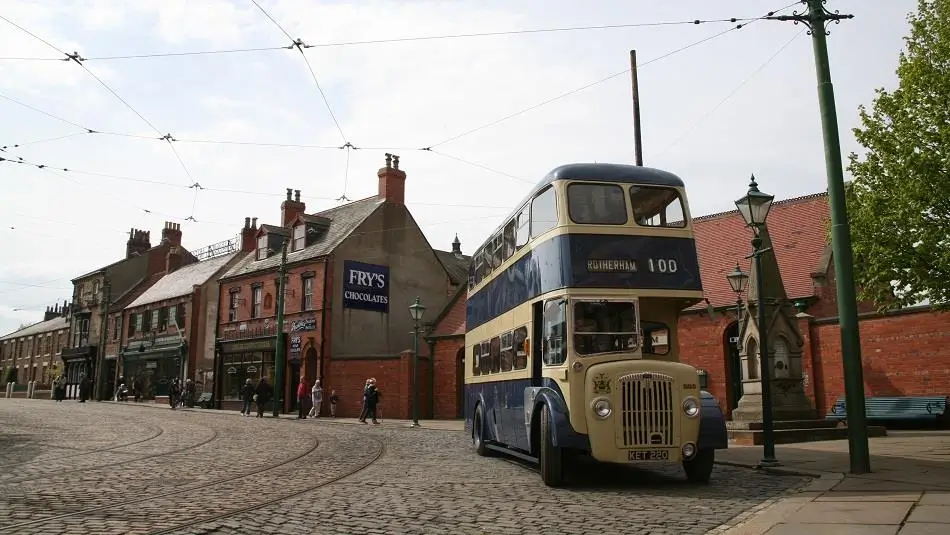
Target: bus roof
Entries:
(596, 172)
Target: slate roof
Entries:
(137, 289)
(798, 229)
(181, 281)
(187, 256)
(39, 328)
(343, 221)
(457, 268)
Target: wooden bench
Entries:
(921, 409)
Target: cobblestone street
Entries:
(104, 468)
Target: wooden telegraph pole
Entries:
(635, 87)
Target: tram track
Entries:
(113, 508)
(157, 432)
(194, 522)
(57, 473)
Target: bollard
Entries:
(29, 389)
(10, 389)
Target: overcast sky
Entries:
(396, 97)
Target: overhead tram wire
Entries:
(731, 94)
(300, 45)
(607, 78)
(175, 185)
(75, 57)
(502, 33)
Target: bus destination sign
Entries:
(611, 266)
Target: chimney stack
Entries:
(139, 242)
(392, 181)
(249, 235)
(291, 208)
(173, 258)
(172, 233)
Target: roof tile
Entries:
(798, 231)
(182, 281)
(343, 221)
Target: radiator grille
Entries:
(646, 415)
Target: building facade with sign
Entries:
(95, 292)
(32, 353)
(167, 331)
(351, 273)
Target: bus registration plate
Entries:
(648, 455)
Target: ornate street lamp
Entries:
(416, 311)
(738, 280)
(754, 208)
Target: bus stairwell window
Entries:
(657, 207)
(596, 204)
(604, 327)
(555, 323)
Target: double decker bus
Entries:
(571, 327)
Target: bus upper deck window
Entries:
(596, 204)
(657, 207)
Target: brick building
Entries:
(93, 295)
(906, 352)
(165, 328)
(351, 273)
(32, 353)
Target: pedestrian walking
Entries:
(247, 395)
(333, 401)
(316, 397)
(362, 417)
(302, 398)
(372, 400)
(262, 395)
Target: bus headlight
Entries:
(691, 407)
(602, 408)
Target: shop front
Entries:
(78, 362)
(148, 369)
(241, 360)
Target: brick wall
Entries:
(446, 392)
(905, 353)
(393, 378)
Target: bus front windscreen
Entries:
(602, 326)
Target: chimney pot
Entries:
(247, 222)
(254, 222)
(392, 181)
(297, 195)
(289, 191)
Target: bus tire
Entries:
(478, 432)
(552, 467)
(699, 468)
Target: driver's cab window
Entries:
(604, 327)
(554, 323)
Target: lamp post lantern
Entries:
(416, 311)
(754, 207)
(738, 280)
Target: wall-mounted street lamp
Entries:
(755, 207)
(416, 311)
(738, 281)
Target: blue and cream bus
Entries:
(571, 342)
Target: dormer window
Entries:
(262, 247)
(300, 237)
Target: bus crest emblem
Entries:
(602, 384)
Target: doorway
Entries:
(733, 366)
(294, 381)
(310, 366)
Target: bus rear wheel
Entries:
(478, 432)
(552, 467)
(699, 468)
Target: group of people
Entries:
(371, 396)
(59, 388)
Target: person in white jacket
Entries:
(316, 396)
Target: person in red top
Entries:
(303, 394)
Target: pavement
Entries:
(110, 468)
(906, 493)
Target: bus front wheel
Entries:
(699, 468)
(552, 468)
(478, 432)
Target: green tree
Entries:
(899, 199)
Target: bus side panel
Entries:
(503, 406)
(712, 424)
